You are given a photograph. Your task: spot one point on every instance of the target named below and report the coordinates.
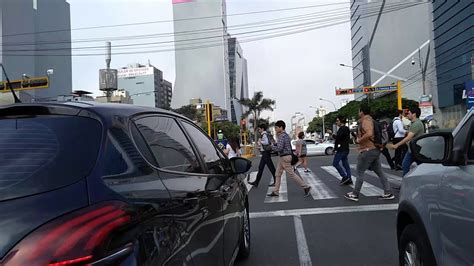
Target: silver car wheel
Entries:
(412, 255)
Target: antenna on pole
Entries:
(108, 77)
(108, 54)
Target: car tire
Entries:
(244, 246)
(414, 246)
(329, 151)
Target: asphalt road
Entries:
(324, 228)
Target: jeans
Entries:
(364, 161)
(265, 160)
(407, 161)
(386, 153)
(342, 156)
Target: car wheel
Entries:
(329, 151)
(414, 248)
(244, 248)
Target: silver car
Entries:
(435, 220)
(314, 148)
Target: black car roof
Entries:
(104, 110)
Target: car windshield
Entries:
(44, 153)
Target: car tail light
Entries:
(74, 239)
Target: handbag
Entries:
(294, 159)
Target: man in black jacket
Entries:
(341, 147)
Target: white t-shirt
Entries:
(231, 153)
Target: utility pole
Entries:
(108, 77)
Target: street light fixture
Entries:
(322, 99)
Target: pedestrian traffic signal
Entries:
(25, 84)
(344, 91)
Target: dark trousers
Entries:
(265, 160)
(400, 152)
(388, 157)
(341, 156)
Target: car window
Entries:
(211, 156)
(126, 172)
(40, 154)
(168, 144)
(308, 141)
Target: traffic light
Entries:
(25, 84)
(344, 91)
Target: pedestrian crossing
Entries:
(323, 188)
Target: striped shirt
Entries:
(283, 146)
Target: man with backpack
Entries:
(399, 132)
(265, 149)
(369, 138)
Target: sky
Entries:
(294, 70)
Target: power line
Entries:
(221, 36)
(174, 20)
(303, 17)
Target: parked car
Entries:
(315, 148)
(114, 184)
(436, 211)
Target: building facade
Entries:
(238, 80)
(453, 42)
(145, 85)
(35, 37)
(201, 56)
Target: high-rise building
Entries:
(35, 37)
(453, 39)
(201, 54)
(384, 34)
(238, 80)
(145, 85)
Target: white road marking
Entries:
(319, 190)
(325, 210)
(283, 191)
(367, 188)
(302, 245)
(395, 178)
(252, 177)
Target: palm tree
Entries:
(255, 106)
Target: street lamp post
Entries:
(321, 99)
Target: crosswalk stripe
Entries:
(251, 176)
(367, 188)
(319, 190)
(390, 177)
(283, 191)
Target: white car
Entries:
(315, 148)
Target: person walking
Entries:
(283, 147)
(399, 131)
(385, 141)
(232, 148)
(341, 147)
(266, 159)
(301, 152)
(416, 129)
(369, 155)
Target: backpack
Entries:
(377, 138)
(270, 140)
(391, 133)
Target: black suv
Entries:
(84, 183)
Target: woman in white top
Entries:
(232, 148)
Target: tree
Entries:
(316, 125)
(190, 111)
(229, 129)
(255, 106)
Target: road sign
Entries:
(25, 84)
(373, 89)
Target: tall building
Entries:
(238, 80)
(32, 35)
(145, 85)
(453, 39)
(201, 56)
(383, 37)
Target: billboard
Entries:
(107, 79)
(135, 72)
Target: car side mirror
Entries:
(432, 148)
(240, 165)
